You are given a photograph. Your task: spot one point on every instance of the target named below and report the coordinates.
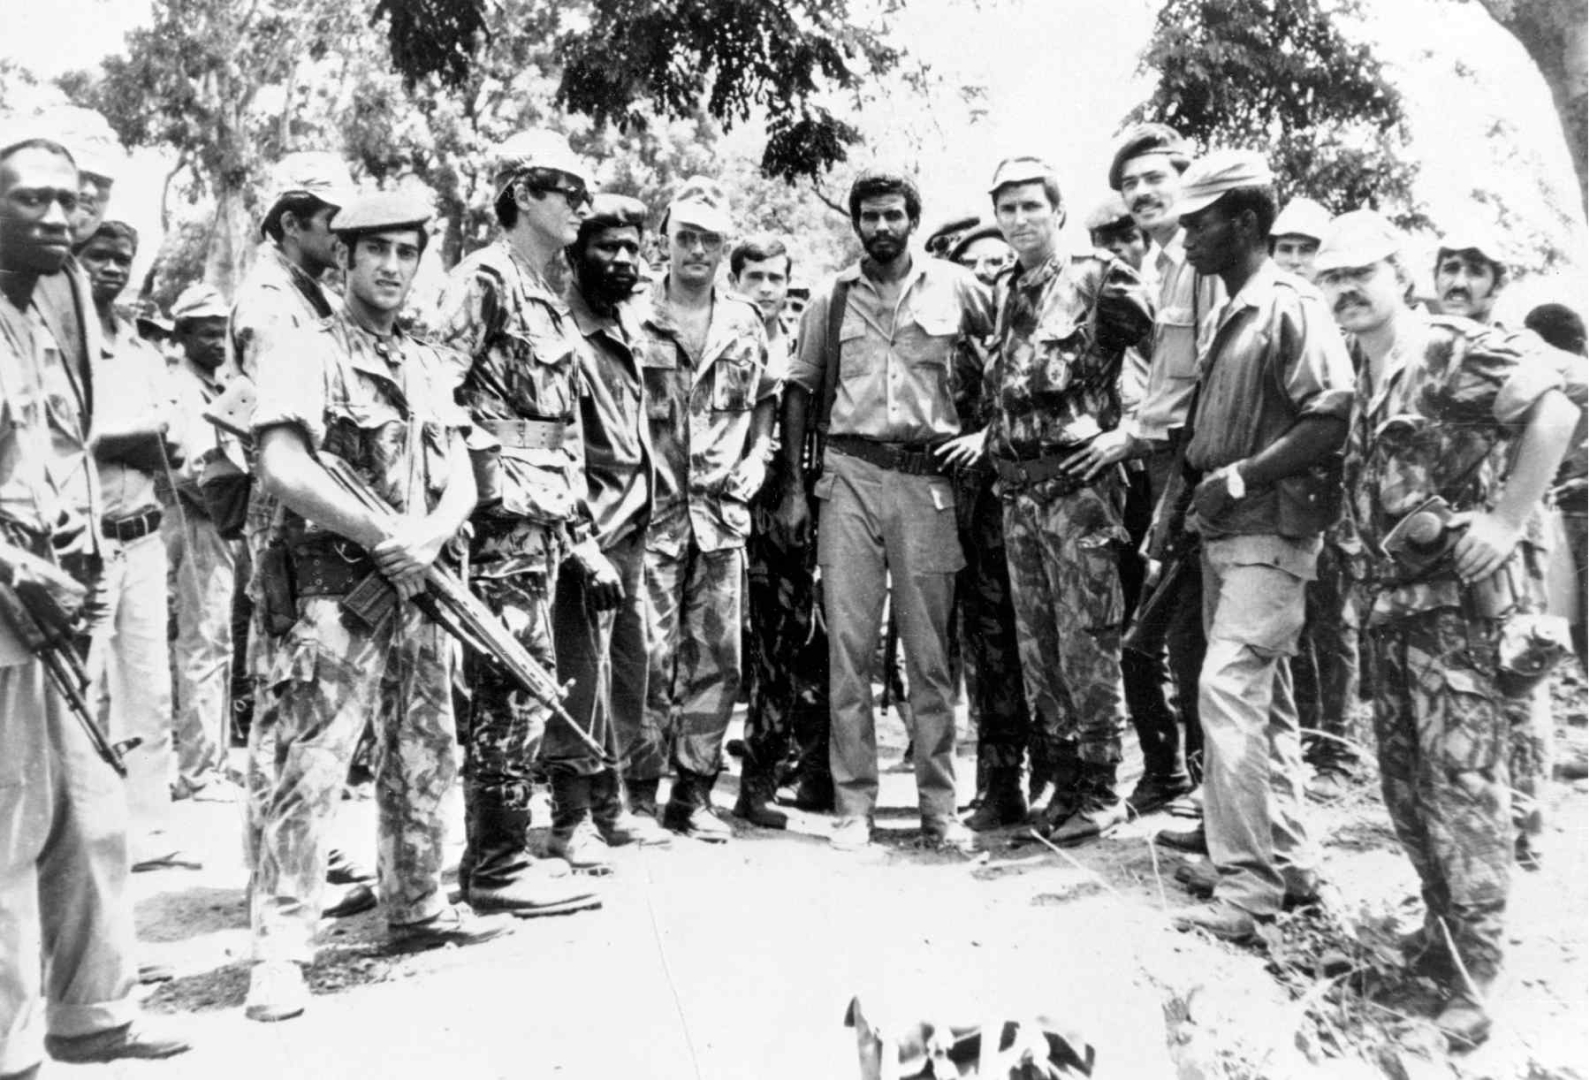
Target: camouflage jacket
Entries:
(516, 347)
(383, 405)
(1442, 419)
(700, 416)
(1063, 328)
(275, 297)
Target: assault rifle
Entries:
(450, 604)
(39, 602)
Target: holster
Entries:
(278, 594)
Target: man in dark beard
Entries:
(599, 627)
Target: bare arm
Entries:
(1491, 536)
(1309, 441)
(290, 473)
(794, 516)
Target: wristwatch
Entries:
(1234, 484)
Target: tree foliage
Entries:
(1279, 76)
(626, 62)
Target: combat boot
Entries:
(643, 798)
(1098, 813)
(689, 810)
(1005, 801)
(814, 792)
(756, 790)
(502, 875)
(617, 825)
(1066, 777)
(574, 838)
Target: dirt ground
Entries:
(737, 961)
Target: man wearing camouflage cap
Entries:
(1469, 272)
(1270, 414)
(1064, 324)
(517, 374)
(282, 293)
(710, 399)
(203, 562)
(599, 625)
(357, 387)
(1325, 668)
(1476, 420)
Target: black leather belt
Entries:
(329, 570)
(132, 528)
(913, 459)
(527, 434)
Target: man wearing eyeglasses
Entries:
(710, 401)
(518, 378)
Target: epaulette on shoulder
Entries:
(748, 309)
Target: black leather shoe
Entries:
(139, 1039)
(452, 927)
(1192, 841)
(1155, 792)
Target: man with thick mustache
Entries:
(1275, 390)
(898, 336)
(1469, 274)
(599, 624)
(1477, 417)
(1147, 170)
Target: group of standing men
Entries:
(589, 461)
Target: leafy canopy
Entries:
(1280, 77)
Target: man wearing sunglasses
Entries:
(518, 378)
(710, 401)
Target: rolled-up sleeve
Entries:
(805, 366)
(292, 385)
(1319, 380)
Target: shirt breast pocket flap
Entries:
(938, 324)
(1176, 315)
(733, 384)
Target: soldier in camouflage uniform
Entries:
(281, 294)
(710, 399)
(1064, 324)
(518, 375)
(1448, 409)
(786, 650)
(358, 388)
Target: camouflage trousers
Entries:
(328, 680)
(506, 726)
(1442, 728)
(1325, 667)
(989, 640)
(202, 566)
(693, 677)
(1065, 583)
(786, 653)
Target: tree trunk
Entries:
(1555, 36)
(229, 252)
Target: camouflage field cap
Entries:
(1219, 172)
(702, 203)
(1109, 214)
(311, 172)
(1022, 170)
(1357, 238)
(1302, 217)
(1472, 236)
(200, 301)
(537, 148)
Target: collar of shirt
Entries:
(534, 283)
(206, 379)
(1254, 291)
(590, 324)
(919, 268)
(1034, 280)
(719, 331)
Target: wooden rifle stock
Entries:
(449, 603)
